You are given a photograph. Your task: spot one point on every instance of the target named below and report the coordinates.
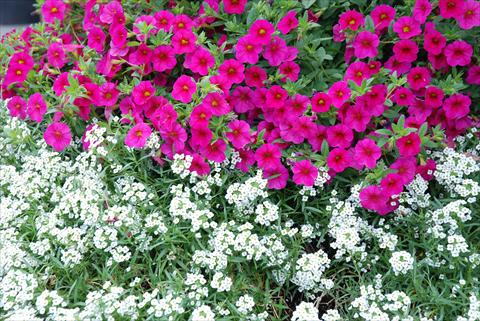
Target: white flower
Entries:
(401, 262)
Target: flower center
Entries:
(406, 29)
(54, 10)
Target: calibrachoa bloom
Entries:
(288, 22)
(53, 10)
(183, 89)
(451, 8)
(268, 156)
(239, 135)
(351, 20)
(261, 31)
(458, 53)
(409, 145)
(367, 153)
(143, 92)
(304, 173)
(17, 107)
(56, 55)
(407, 27)
(107, 95)
(373, 198)
(339, 159)
(365, 45)
(247, 50)
(382, 15)
(58, 136)
(468, 19)
(234, 6)
(36, 107)
(339, 93)
(457, 106)
(137, 135)
(405, 50)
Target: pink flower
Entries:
(182, 22)
(247, 50)
(255, 76)
(304, 173)
(118, 34)
(351, 19)
(366, 45)
(469, 18)
(421, 10)
(56, 55)
(458, 53)
(317, 137)
(183, 41)
(418, 77)
(392, 184)
(473, 75)
(23, 60)
(434, 97)
(142, 56)
(247, 160)
(373, 198)
(407, 27)
(242, 99)
(403, 96)
(339, 159)
(112, 13)
(217, 104)
(298, 104)
(382, 15)
(339, 136)
(239, 135)
(339, 93)
(427, 170)
(262, 31)
(321, 103)
(58, 136)
(183, 89)
(164, 20)
(289, 70)
(409, 145)
(276, 96)
(17, 107)
(405, 50)
(200, 116)
(277, 177)
(36, 107)
(357, 118)
(434, 42)
(96, 38)
(406, 168)
(268, 156)
(201, 136)
(199, 165)
(232, 70)
(367, 153)
(457, 106)
(234, 6)
(137, 135)
(108, 95)
(199, 61)
(215, 152)
(357, 71)
(53, 9)
(394, 65)
(451, 8)
(163, 58)
(143, 92)
(275, 51)
(288, 22)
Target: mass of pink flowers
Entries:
(247, 109)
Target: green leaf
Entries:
(307, 3)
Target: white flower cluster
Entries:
(309, 272)
(242, 195)
(401, 262)
(305, 311)
(473, 313)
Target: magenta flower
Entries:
(276, 96)
(234, 6)
(200, 116)
(298, 104)
(392, 184)
(36, 107)
(183, 41)
(457, 106)
(23, 60)
(247, 50)
(418, 77)
(268, 156)
(351, 19)
(201, 136)
(239, 135)
(434, 97)
(288, 22)
(215, 152)
(17, 107)
(406, 168)
(275, 51)
(164, 19)
(409, 145)
(367, 153)
(182, 22)
(58, 136)
(199, 61)
(112, 13)
(261, 31)
(407, 27)
(304, 173)
(366, 45)
(56, 55)
(199, 165)
(118, 34)
(277, 177)
(458, 53)
(142, 56)
(321, 103)
(217, 104)
(421, 10)
(382, 15)
(394, 65)
(434, 42)
(137, 135)
(183, 89)
(373, 198)
(232, 71)
(96, 38)
(255, 76)
(405, 50)
(427, 170)
(403, 97)
(469, 18)
(339, 93)
(108, 95)
(451, 8)
(53, 9)
(357, 118)
(163, 58)
(289, 70)
(357, 71)
(473, 75)
(143, 92)
(339, 136)
(339, 159)
(242, 99)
